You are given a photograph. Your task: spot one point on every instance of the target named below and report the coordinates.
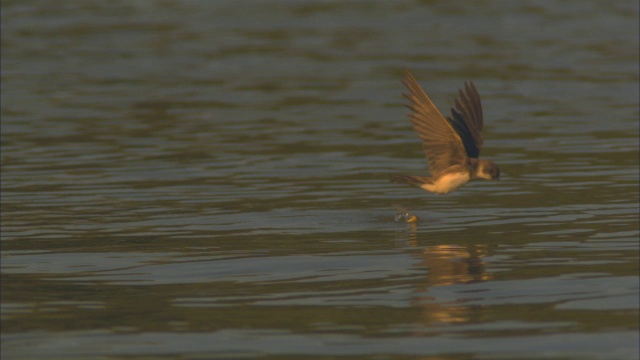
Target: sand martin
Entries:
(451, 145)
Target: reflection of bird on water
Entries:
(451, 145)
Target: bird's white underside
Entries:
(447, 183)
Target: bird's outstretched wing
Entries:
(466, 119)
(442, 145)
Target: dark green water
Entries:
(209, 179)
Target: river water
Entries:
(210, 179)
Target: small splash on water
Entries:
(403, 214)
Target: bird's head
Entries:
(488, 170)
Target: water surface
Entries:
(210, 179)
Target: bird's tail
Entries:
(411, 180)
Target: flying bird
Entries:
(451, 145)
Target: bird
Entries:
(451, 145)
